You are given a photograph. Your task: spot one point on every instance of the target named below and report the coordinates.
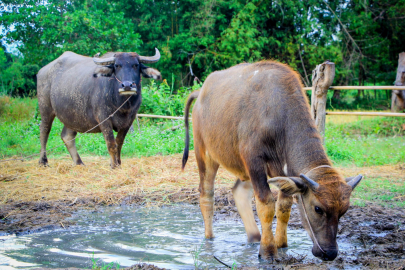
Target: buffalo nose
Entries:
(330, 255)
(126, 85)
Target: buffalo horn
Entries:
(150, 59)
(104, 61)
(311, 183)
(354, 181)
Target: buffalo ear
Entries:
(105, 71)
(354, 181)
(149, 72)
(288, 185)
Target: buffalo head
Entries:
(126, 69)
(321, 204)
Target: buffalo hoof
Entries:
(268, 254)
(116, 166)
(79, 163)
(43, 163)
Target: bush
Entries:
(161, 99)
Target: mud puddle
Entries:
(168, 237)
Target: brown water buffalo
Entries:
(254, 120)
(82, 92)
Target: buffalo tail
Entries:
(190, 99)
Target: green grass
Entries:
(379, 126)
(382, 191)
(363, 150)
(95, 264)
(22, 139)
(368, 142)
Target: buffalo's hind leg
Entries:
(47, 117)
(283, 210)
(207, 170)
(242, 194)
(68, 137)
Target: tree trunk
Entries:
(398, 96)
(322, 79)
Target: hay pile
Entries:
(26, 181)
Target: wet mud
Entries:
(378, 231)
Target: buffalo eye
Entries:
(318, 210)
(135, 65)
(117, 66)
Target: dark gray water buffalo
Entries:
(254, 120)
(82, 92)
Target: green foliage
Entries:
(363, 38)
(17, 78)
(160, 99)
(45, 29)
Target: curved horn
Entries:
(354, 181)
(104, 61)
(311, 183)
(150, 59)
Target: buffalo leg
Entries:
(45, 128)
(68, 137)
(265, 206)
(242, 194)
(112, 147)
(120, 141)
(207, 170)
(283, 210)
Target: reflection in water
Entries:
(166, 237)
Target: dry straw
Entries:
(159, 176)
(27, 181)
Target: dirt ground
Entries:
(34, 199)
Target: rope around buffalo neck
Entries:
(305, 210)
(111, 115)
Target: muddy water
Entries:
(169, 237)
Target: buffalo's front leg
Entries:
(120, 141)
(112, 147)
(264, 206)
(283, 210)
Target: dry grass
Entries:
(344, 119)
(26, 181)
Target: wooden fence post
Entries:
(322, 78)
(398, 96)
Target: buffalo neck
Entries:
(304, 150)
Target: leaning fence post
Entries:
(322, 79)
(398, 96)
